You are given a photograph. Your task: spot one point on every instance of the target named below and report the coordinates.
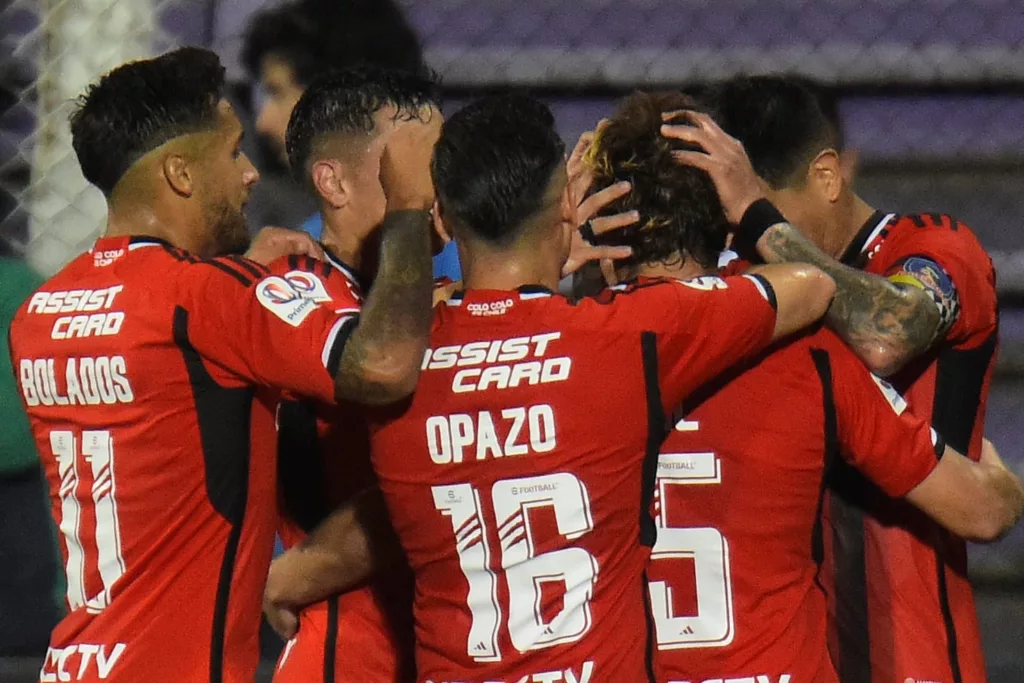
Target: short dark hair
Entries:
(680, 213)
(141, 105)
(779, 120)
(494, 163)
(314, 36)
(345, 101)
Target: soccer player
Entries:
(916, 300)
(149, 369)
(336, 136)
(286, 46)
(518, 477)
(740, 477)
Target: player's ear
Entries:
(441, 236)
(328, 178)
(827, 175)
(440, 225)
(179, 175)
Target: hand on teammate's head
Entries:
(581, 249)
(405, 163)
(723, 158)
(588, 224)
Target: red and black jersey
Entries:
(740, 485)
(364, 634)
(901, 603)
(151, 378)
(515, 476)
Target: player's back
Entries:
(515, 478)
(734, 588)
(739, 487)
(154, 467)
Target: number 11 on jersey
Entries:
(525, 571)
(97, 448)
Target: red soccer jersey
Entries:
(147, 376)
(515, 478)
(899, 594)
(364, 634)
(732, 576)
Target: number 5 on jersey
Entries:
(97, 449)
(525, 571)
(707, 548)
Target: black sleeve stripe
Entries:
(228, 270)
(940, 446)
(249, 266)
(334, 357)
(174, 253)
(310, 264)
(179, 254)
(293, 261)
(769, 291)
(326, 268)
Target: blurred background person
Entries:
(928, 92)
(286, 46)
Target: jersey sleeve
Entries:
(877, 434)
(704, 327)
(942, 257)
(282, 326)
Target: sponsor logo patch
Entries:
(289, 302)
(308, 285)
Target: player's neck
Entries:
(853, 220)
(149, 220)
(506, 272)
(349, 248)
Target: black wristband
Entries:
(756, 220)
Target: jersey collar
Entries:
(525, 292)
(349, 271)
(867, 232)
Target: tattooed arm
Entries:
(887, 324)
(381, 359)
(380, 362)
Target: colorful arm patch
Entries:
(927, 275)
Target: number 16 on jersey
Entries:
(526, 571)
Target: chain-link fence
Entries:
(922, 79)
(930, 95)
